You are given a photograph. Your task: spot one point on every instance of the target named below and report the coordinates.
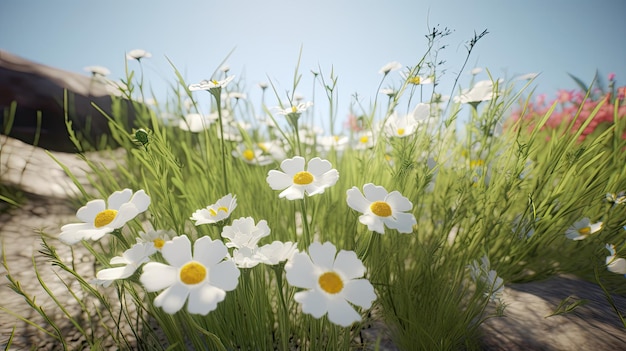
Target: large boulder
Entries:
(34, 94)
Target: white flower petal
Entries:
(204, 299)
(323, 255)
(359, 292)
(374, 192)
(317, 166)
(88, 212)
(73, 233)
(141, 201)
(117, 272)
(293, 192)
(209, 252)
(177, 251)
(278, 180)
(172, 299)
(157, 276)
(313, 302)
(118, 198)
(349, 265)
(291, 166)
(356, 201)
(300, 271)
(373, 223)
(398, 202)
(224, 275)
(341, 313)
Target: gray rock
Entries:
(37, 88)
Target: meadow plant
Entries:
(417, 214)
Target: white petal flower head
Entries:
(138, 54)
(252, 155)
(201, 279)
(211, 84)
(157, 238)
(244, 233)
(131, 259)
(97, 71)
(196, 123)
(381, 209)
(277, 252)
(391, 66)
(582, 229)
(295, 109)
(296, 181)
(216, 212)
(100, 218)
(332, 283)
(481, 91)
(483, 274)
(400, 127)
(613, 263)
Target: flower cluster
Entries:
(573, 108)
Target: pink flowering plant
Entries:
(396, 225)
(576, 110)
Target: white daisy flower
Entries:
(481, 91)
(216, 212)
(332, 283)
(196, 123)
(582, 229)
(131, 259)
(296, 181)
(613, 263)
(253, 156)
(156, 237)
(97, 71)
(277, 252)
(391, 66)
(100, 217)
(400, 127)
(201, 279)
(296, 109)
(382, 209)
(487, 278)
(244, 236)
(333, 142)
(244, 233)
(211, 84)
(364, 140)
(138, 54)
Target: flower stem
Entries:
(305, 223)
(217, 96)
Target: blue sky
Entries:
(354, 38)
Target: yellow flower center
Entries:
(381, 208)
(248, 154)
(584, 231)
(192, 273)
(303, 178)
(400, 131)
(336, 137)
(415, 80)
(221, 208)
(331, 282)
(158, 243)
(103, 218)
(215, 82)
(294, 109)
(476, 163)
(364, 139)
